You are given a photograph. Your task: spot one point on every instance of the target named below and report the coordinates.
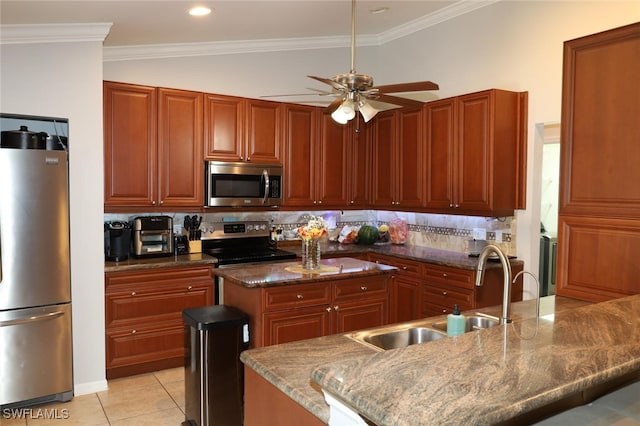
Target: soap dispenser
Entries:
(456, 322)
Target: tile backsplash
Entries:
(445, 232)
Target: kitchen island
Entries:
(572, 354)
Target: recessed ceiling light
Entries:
(379, 10)
(199, 11)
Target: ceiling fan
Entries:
(353, 89)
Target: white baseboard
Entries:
(90, 387)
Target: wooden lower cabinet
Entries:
(289, 313)
(143, 317)
(445, 286)
(266, 404)
(405, 292)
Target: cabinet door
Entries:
(296, 324)
(263, 132)
(351, 316)
(383, 175)
(181, 163)
(596, 257)
(300, 155)
(440, 144)
(600, 145)
(473, 163)
(359, 164)
(130, 145)
(332, 163)
(406, 297)
(223, 127)
(410, 159)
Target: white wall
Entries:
(65, 80)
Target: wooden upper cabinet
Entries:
(398, 159)
(300, 128)
(332, 163)
(263, 132)
(223, 127)
(440, 140)
(410, 159)
(475, 151)
(599, 220)
(383, 188)
(359, 163)
(153, 147)
(130, 144)
(180, 164)
(600, 137)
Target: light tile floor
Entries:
(154, 399)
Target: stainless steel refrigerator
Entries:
(35, 289)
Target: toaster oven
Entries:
(152, 236)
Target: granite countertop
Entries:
(184, 260)
(284, 273)
(481, 377)
(405, 251)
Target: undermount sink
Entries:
(397, 336)
(472, 323)
(402, 335)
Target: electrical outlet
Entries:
(479, 234)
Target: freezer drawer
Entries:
(35, 355)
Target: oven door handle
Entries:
(265, 175)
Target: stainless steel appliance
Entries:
(152, 236)
(35, 290)
(242, 184)
(241, 242)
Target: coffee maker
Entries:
(117, 241)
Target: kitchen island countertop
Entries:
(482, 377)
(283, 273)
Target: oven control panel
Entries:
(222, 230)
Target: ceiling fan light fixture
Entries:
(367, 111)
(344, 112)
(199, 11)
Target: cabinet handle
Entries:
(300, 297)
(241, 158)
(248, 158)
(161, 202)
(133, 331)
(133, 293)
(153, 202)
(328, 308)
(335, 308)
(320, 202)
(189, 288)
(444, 275)
(363, 288)
(351, 202)
(404, 268)
(444, 293)
(444, 311)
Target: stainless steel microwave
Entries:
(230, 184)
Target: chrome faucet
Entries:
(506, 271)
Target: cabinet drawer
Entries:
(449, 276)
(446, 297)
(135, 307)
(405, 267)
(297, 295)
(137, 280)
(140, 345)
(358, 288)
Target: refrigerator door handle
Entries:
(30, 319)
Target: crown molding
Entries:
(456, 9)
(174, 50)
(53, 33)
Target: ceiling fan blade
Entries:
(396, 100)
(417, 86)
(334, 105)
(288, 94)
(330, 82)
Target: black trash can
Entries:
(214, 388)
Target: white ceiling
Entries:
(158, 22)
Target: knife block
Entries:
(195, 246)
